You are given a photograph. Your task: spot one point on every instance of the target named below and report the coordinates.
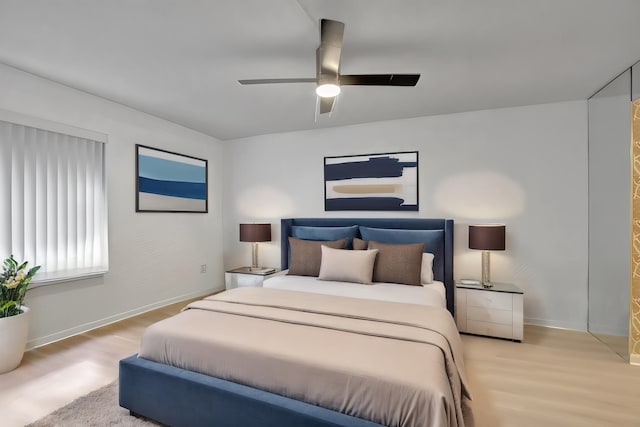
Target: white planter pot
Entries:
(13, 339)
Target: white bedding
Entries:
(432, 294)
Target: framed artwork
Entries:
(170, 182)
(371, 182)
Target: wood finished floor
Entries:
(53, 375)
(616, 343)
(554, 378)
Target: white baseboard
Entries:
(554, 324)
(48, 339)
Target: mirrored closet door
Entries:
(610, 213)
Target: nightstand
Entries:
(495, 312)
(246, 276)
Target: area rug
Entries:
(96, 409)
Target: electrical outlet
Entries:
(203, 268)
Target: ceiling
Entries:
(180, 59)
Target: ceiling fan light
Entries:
(327, 90)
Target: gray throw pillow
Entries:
(398, 263)
(306, 255)
(359, 244)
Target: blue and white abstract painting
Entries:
(170, 182)
(371, 182)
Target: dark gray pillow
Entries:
(359, 244)
(398, 263)
(306, 255)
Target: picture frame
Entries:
(371, 182)
(170, 182)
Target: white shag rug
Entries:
(96, 409)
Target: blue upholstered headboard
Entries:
(441, 245)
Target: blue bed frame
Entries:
(178, 397)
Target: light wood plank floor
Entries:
(616, 343)
(53, 375)
(554, 378)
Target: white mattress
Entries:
(432, 294)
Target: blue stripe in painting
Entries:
(368, 204)
(185, 190)
(377, 167)
(167, 170)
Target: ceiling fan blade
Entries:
(380, 79)
(326, 104)
(268, 81)
(331, 32)
(328, 53)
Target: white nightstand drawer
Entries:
(484, 314)
(490, 329)
(499, 300)
(248, 280)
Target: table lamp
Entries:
(487, 237)
(255, 233)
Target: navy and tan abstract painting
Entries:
(170, 182)
(371, 182)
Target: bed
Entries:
(189, 386)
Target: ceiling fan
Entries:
(328, 78)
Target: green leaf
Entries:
(11, 299)
(33, 271)
(12, 262)
(8, 305)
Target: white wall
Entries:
(526, 167)
(155, 258)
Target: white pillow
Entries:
(426, 272)
(347, 265)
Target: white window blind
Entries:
(53, 209)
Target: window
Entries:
(53, 209)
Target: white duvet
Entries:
(432, 294)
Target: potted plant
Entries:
(14, 317)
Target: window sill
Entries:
(65, 276)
